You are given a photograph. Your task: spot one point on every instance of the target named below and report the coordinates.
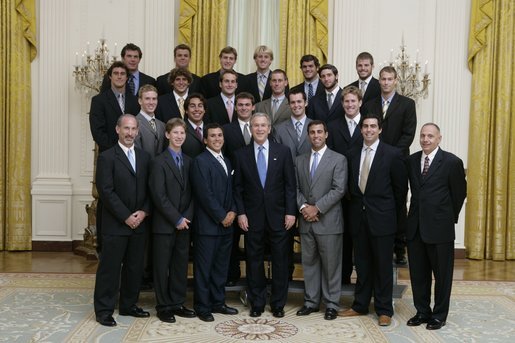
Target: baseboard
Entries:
(58, 246)
(460, 254)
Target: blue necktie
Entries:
(310, 92)
(261, 165)
(314, 165)
(130, 156)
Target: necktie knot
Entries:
(198, 132)
(385, 107)
(362, 86)
(153, 124)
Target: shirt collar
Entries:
(124, 148)
(177, 96)
(147, 116)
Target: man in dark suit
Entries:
(195, 107)
(327, 106)
(170, 188)
(264, 192)
(378, 185)
(105, 110)
(277, 106)
(399, 125)
(181, 57)
(131, 57)
(438, 190)
(258, 82)
(321, 184)
(220, 108)
(121, 178)
(171, 105)
(367, 84)
(344, 136)
(210, 83)
(236, 136)
(211, 176)
(311, 86)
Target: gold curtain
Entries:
(203, 26)
(303, 30)
(17, 50)
(490, 215)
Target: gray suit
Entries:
(285, 133)
(321, 241)
(283, 112)
(152, 142)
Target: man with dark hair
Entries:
(171, 105)
(367, 84)
(277, 106)
(215, 211)
(220, 108)
(399, 116)
(327, 106)
(378, 185)
(210, 83)
(170, 188)
(131, 57)
(181, 57)
(121, 179)
(438, 189)
(195, 106)
(311, 86)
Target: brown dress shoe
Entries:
(350, 313)
(384, 320)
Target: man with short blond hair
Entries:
(258, 82)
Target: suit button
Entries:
(363, 207)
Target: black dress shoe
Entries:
(306, 310)
(401, 260)
(278, 312)
(435, 324)
(184, 312)
(225, 310)
(206, 317)
(166, 316)
(106, 320)
(230, 283)
(330, 314)
(135, 311)
(417, 320)
(255, 312)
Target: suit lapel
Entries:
(113, 102)
(392, 107)
(321, 165)
(120, 154)
(435, 165)
(173, 167)
(376, 164)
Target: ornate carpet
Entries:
(59, 308)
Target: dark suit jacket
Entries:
(386, 190)
(217, 112)
(250, 84)
(192, 146)
(286, 134)
(122, 190)
(212, 189)
(144, 79)
(399, 123)
(318, 109)
(167, 108)
(277, 199)
(163, 87)
(233, 139)
(437, 198)
(170, 191)
(320, 88)
(373, 90)
(104, 114)
(152, 142)
(210, 84)
(339, 138)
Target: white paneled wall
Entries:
(62, 158)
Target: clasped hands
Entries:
(135, 219)
(310, 213)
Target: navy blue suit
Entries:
(212, 189)
(266, 209)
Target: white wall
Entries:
(62, 158)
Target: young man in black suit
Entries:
(265, 196)
(171, 104)
(311, 86)
(121, 179)
(170, 188)
(399, 126)
(378, 185)
(220, 108)
(131, 57)
(181, 58)
(438, 190)
(366, 83)
(327, 106)
(210, 83)
(195, 107)
(258, 82)
(211, 178)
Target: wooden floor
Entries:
(67, 262)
